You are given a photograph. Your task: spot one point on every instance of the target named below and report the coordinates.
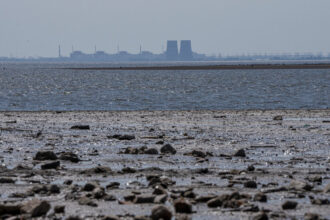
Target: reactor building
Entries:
(172, 52)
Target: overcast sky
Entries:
(37, 27)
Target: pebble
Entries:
(53, 165)
(69, 156)
(161, 212)
(7, 180)
(278, 118)
(250, 184)
(80, 127)
(260, 197)
(36, 208)
(168, 149)
(45, 155)
(240, 153)
(59, 209)
(182, 206)
(289, 205)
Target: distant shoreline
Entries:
(211, 67)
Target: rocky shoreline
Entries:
(165, 165)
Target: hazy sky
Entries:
(37, 27)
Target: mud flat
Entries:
(172, 164)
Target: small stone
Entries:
(182, 206)
(260, 197)
(168, 149)
(216, 202)
(54, 189)
(45, 155)
(59, 209)
(113, 185)
(90, 186)
(6, 209)
(110, 217)
(261, 216)
(151, 151)
(160, 142)
(299, 185)
(197, 153)
(36, 208)
(53, 165)
(69, 156)
(240, 153)
(80, 127)
(278, 118)
(159, 190)
(161, 212)
(128, 170)
(327, 188)
(206, 198)
(144, 199)
(250, 168)
(250, 184)
(7, 180)
(99, 193)
(289, 205)
(72, 217)
(97, 170)
(160, 198)
(87, 201)
(122, 137)
(311, 216)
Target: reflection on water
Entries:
(42, 87)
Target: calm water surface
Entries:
(46, 87)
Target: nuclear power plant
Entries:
(185, 53)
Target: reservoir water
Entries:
(34, 87)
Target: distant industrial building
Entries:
(185, 50)
(172, 50)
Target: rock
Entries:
(197, 153)
(327, 188)
(240, 153)
(250, 184)
(72, 217)
(216, 202)
(110, 217)
(160, 198)
(59, 209)
(260, 197)
(182, 206)
(161, 212)
(7, 180)
(97, 170)
(54, 189)
(36, 208)
(69, 156)
(159, 190)
(278, 118)
(113, 185)
(45, 155)
(99, 193)
(80, 127)
(320, 201)
(168, 149)
(10, 209)
(144, 199)
(87, 201)
(312, 216)
(68, 182)
(128, 170)
(108, 197)
(299, 185)
(206, 198)
(88, 187)
(152, 151)
(160, 142)
(260, 216)
(289, 205)
(122, 137)
(250, 168)
(53, 165)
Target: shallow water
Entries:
(47, 87)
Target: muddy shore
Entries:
(212, 67)
(163, 164)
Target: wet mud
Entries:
(165, 164)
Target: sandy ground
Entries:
(287, 159)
